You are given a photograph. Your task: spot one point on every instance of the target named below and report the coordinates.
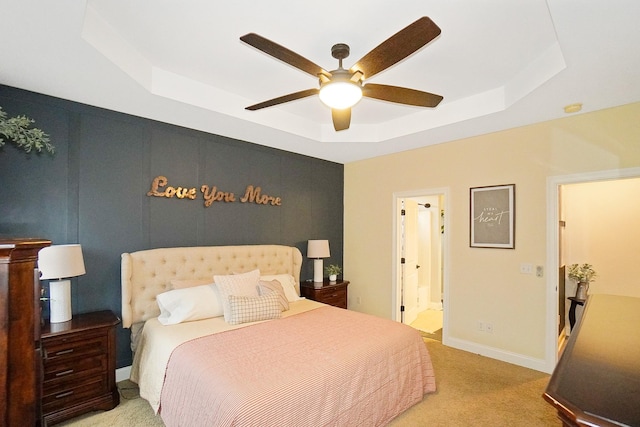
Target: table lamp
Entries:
(318, 249)
(58, 263)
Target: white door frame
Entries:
(395, 261)
(553, 183)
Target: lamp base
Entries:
(60, 301)
(317, 270)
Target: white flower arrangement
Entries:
(582, 273)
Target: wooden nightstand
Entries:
(79, 358)
(331, 293)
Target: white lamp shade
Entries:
(60, 262)
(318, 249)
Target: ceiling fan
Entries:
(340, 89)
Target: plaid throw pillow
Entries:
(243, 309)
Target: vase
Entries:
(333, 277)
(581, 292)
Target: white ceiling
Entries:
(498, 63)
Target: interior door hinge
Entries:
(401, 308)
(402, 260)
(402, 212)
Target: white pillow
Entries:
(242, 285)
(251, 309)
(189, 283)
(183, 305)
(288, 284)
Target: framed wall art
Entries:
(493, 217)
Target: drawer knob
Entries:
(67, 372)
(61, 395)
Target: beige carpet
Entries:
(472, 391)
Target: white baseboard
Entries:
(123, 373)
(494, 353)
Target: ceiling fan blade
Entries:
(283, 99)
(283, 54)
(341, 118)
(397, 47)
(401, 95)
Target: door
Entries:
(561, 272)
(410, 265)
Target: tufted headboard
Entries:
(148, 273)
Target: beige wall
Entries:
(484, 284)
(603, 229)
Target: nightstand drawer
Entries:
(72, 393)
(330, 296)
(73, 346)
(72, 370)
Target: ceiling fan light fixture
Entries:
(341, 89)
(340, 94)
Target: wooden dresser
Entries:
(332, 293)
(597, 380)
(20, 332)
(79, 359)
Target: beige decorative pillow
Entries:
(245, 284)
(251, 309)
(288, 284)
(274, 286)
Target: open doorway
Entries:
(420, 274)
(605, 235)
(588, 215)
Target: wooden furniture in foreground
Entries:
(20, 332)
(332, 293)
(597, 380)
(79, 366)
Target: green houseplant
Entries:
(16, 129)
(332, 271)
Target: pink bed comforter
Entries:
(324, 367)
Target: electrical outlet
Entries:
(488, 327)
(480, 326)
(539, 271)
(359, 300)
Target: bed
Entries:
(305, 363)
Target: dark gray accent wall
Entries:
(93, 192)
